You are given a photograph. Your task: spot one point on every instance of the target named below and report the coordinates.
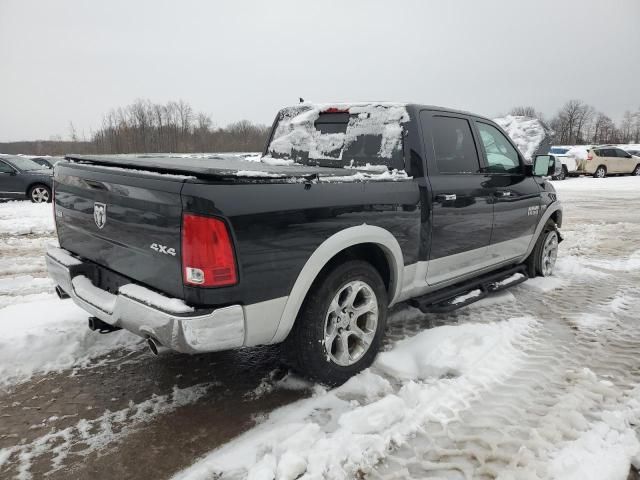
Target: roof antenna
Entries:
(301, 100)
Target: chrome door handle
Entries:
(503, 193)
(446, 197)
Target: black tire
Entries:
(563, 174)
(535, 260)
(40, 193)
(305, 346)
(600, 172)
(636, 171)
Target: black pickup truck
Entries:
(351, 209)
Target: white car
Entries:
(569, 164)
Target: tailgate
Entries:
(126, 221)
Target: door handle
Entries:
(503, 193)
(446, 197)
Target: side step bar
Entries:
(466, 293)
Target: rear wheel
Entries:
(340, 326)
(40, 194)
(542, 260)
(600, 172)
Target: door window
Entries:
(4, 168)
(454, 147)
(621, 153)
(501, 156)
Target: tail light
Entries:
(589, 156)
(208, 259)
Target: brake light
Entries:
(335, 110)
(589, 156)
(208, 259)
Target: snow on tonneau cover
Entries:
(139, 196)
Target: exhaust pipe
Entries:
(62, 295)
(156, 347)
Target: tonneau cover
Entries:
(214, 165)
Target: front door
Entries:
(7, 181)
(517, 199)
(462, 212)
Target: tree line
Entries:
(578, 123)
(175, 127)
(144, 126)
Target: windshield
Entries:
(24, 164)
(340, 136)
(558, 150)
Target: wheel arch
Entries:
(350, 242)
(554, 212)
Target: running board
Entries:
(466, 293)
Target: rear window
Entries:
(558, 150)
(341, 136)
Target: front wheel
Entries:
(562, 175)
(340, 326)
(542, 260)
(636, 171)
(40, 194)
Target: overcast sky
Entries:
(73, 60)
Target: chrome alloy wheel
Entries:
(549, 253)
(600, 172)
(40, 195)
(351, 323)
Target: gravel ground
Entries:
(128, 414)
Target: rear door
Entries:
(123, 220)
(462, 210)
(609, 159)
(516, 196)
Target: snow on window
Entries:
(372, 130)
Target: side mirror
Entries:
(546, 166)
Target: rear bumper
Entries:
(208, 331)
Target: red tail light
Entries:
(207, 252)
(589, 156)
(335, 110)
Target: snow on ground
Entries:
(88, 436)
(23, 218)
(439, 368)
(50, 335)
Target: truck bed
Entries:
(229, 167)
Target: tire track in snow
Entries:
(575, 373)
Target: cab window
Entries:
(501, 156)
(453, 145)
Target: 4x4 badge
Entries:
(100, 214)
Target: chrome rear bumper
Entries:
(219, 329)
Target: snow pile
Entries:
(526, 132)
(578, 152)
(24, 218)
(338, 433)
(50, 335)
(296, 129)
